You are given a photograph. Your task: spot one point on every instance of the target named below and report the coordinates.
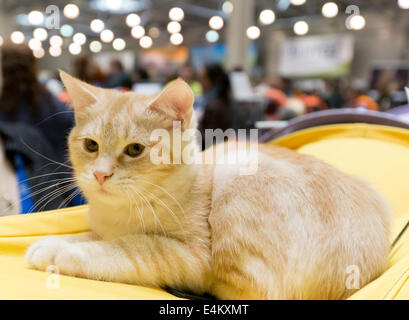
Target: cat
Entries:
(291, 230)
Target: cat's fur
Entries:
(290, 231)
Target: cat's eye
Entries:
(133, 150)
(90, 145)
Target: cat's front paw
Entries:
(71, 260)
(68, 258)
(41, 254)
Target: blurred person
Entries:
(313, 102)
(86, 69)
(26, 100)
(187, 73)
(365, 101)
(27, 180)
(142, 82)
(333, 95)
(216, 100)
(118, 78)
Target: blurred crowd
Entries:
(35, 118)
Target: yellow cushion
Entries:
(377, 153)
(19, 282)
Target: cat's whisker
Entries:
(56, 195)
(140, 211)
(130, 213)
(165, 191)
(44, 175)
(45, 157)
(45, 197)
(32, 194)
(69, 198)
(54, 180)
(168, 209)
(52, 195)
(153, 213)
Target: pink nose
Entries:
(102, 176)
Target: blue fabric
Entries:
(78, 200)
(27, 202)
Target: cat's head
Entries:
(110, 145)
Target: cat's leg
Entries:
(139, 259)
(51, 245)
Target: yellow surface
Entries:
(377, 153)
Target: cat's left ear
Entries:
(175, 101)
(82, 95)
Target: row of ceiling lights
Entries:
(176, 15)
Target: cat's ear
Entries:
(175, 101)
(82, 95)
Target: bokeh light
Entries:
(71, 11)
(97, 25)
(267, 17)
(176, 14)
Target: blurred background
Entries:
(251, 64)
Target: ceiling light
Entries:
(216, 22)
(79, 38)
(253, 32)
(55, 51)
(34, 44)
(17, 37)
(119, 44)
(39, 53)
(212, 36)
(40, 34)
(227, 7)
(113, 4)
(357, 22)
(107, 36)
(35, 18)
(267, 17)
(71, 11)
(74, 48)
(329, 10)
(97, 25)
(138, 32)
(297, 2)
(176, 14)
(403, 4)
(146, 42)
(154, 32)
(174, 27)
(176, 39)
(301, 28)
(132, 20)
(95, 46)
(66, 30)
(56, 41)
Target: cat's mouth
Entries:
(104, 191)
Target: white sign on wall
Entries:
(328, 55)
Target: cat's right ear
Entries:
(82, 95)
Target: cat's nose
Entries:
(102, 176)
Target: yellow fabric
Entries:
(19, 282)
(377, 153)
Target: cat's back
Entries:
(292, 220)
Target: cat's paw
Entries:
(71, 260)
(41, 254)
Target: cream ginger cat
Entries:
(289, 231)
